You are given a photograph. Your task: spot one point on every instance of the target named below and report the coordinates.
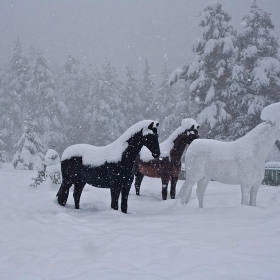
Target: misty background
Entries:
(85, 71)
(125, 31)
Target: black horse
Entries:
(110, 166)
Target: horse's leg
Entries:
(78, 188)
(125, 193)
(186, 190)
(63, 192)
(138, 180)
(173, 187)
(164, 181)
(253, 194)
(245, 193)
(201, 188)
(246, 173)
(115, 193)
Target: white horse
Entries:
(237, 162)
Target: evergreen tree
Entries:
(91, 91)
(173, 102)
(14, 80)
(70, 90)
(210, 71)
(131, 99)
(3, 154)
(7, 106)
(256, 75)
(41, 100)
(20, 68)
(111, 122)
(30, 150)
(147, 94)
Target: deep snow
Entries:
(158, 239)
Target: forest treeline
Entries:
(233, 76)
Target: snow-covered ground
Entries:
(40, 239)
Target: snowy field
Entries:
(40, 239)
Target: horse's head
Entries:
(192, 133)
(189, 130)
(150, 139)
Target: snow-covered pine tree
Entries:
(6, 121)
(3, 154)
(14, 79)
(147, 97)
(131, 99)
(30, 151)
(256, 75)
(111, 121)
(172, 103)
(179, 74)
(20, 68)
(70, 90)
(41, 100)
(91, 93)
(210, 70)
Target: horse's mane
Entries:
(98, 155)
(256, 134)
(134, 129)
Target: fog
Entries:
(125, 32)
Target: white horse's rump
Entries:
(238, 162)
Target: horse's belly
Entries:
(223, 172)
(150, 171)
(97, 177)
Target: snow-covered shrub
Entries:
(3, 154)
(54, 173)
(53, 169)
(50, 169)
(41, 177)
(3, 157)
(30, 150)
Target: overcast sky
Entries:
(124, 31)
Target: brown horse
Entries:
(168, 166)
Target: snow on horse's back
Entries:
(108, 166)
(237, 162)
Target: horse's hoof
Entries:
(61, 201)
(115, 207)
(164, 198)
(173, 197)
(62, 197)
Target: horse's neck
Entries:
(262, 138)
(133, 149)
(179, 146)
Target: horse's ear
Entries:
(151, 126)
(157, 124)
(192, 127)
